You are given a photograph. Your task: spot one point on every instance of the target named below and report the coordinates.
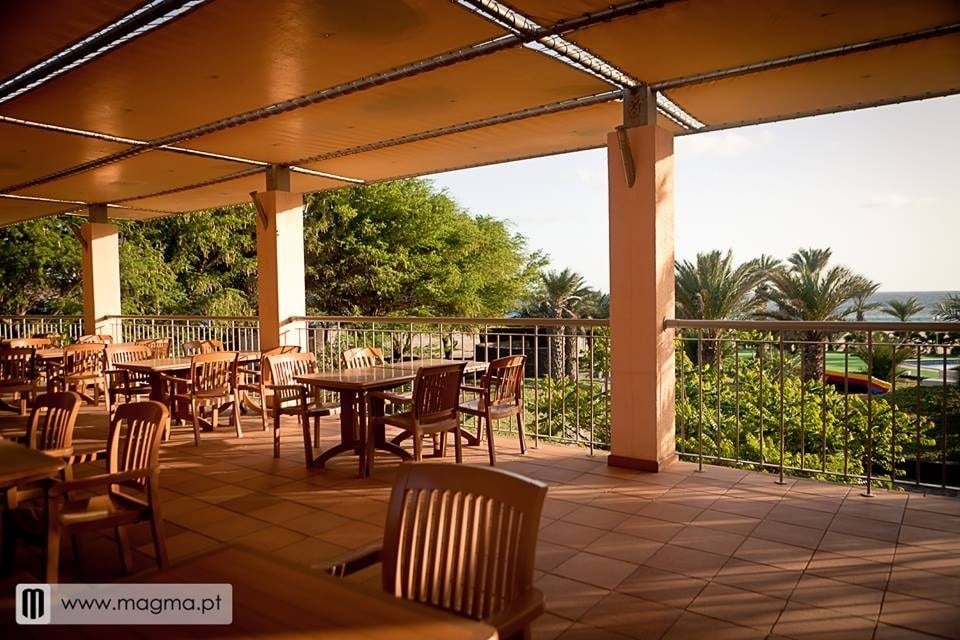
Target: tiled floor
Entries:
(715, 554)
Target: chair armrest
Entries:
(168, 378)
(103, 479)
(466, 387)
(250, 372)
(353, 562)
(523, 610)
(390, 397)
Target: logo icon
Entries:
(33, 604)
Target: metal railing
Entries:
(867, 402)
(68, 328)
(236, 333)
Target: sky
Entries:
(880, 187)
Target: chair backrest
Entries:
(117, 353)
(214, 372)
(159, 347)
(362, 357)
(462, 538)
(504, 379)
(275, 351)
(194, 347)
(51, 422)
(17, 365)
(136, 430)
(83, 358)
(100, 338)
(35, 343)
(285, 367)
(436, 392)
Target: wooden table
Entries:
(353, 386)
(19, 464)
(273, 599)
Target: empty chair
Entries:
(128, 493)
(194, 347)
(362, 357)
(159, 347)
(18, 377)
(462, 539)
(82, 366)
(289, 397)
(52, 419)
(499, 396)
(433, 408)
(99, 338)
(252, 383)
(122, 381)
(211, 385)
(34, 343)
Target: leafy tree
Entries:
(561, 295)
(40, 268)
(902, 310)
(806, 289)
(712, 288)
(948, 308)
(860, 303)
(403, 248)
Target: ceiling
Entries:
(171, 106)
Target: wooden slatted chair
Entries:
(211, 385)
(82, 366)
(195, 347)
(122, 381)
(159, 347)
(433, 410)
(18, 377)
(130, 486)
(499, 396)
(289, 397)
(461, 539)
(98, 338)
(362, 357)
(252, 383)
(33, 343)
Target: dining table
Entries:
(353, 385)
(20, 464)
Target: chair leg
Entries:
(490, 447)
(522, 434)
(126, 555)
(236, 417)
(276, 433)
(457, 444)
(417, 447)
(159, 542)
(195, 411)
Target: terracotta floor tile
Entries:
(935, 504)
(923, 537)
(229, 527)
(665, 587)
(670, 511)
(270, 539)
(941, 561)
(791, 534)
(848, 598)
(871, 509)
(889, 632)
(620, 502)
(800, 516)
(707, 539)
(570, 534)
(804, 622)
(918, 614)
(773, 553)
(761, 578)
(853, 545)
(693, 625)
(352, 534)
(729, 522)
(281, 511)
(595, 517)
(649, 528)
(931, 520)
(222, 493)
(580, 631)
(631, 616)
(813, 502)
(746, 608)
(851, 569)
(550, 555)
(924, 584)
(311, 551)
(690, 562)
(744, 506)
(692, 498)
(596, 570)
(568, 598)
(865, 527)
(549, 627)
(624, 547)
(316, 522)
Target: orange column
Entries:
(101, 279)
(641, 296)
(280, 271)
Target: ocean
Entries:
(928, 299)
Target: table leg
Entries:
(349, 443)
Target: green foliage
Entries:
(713, 289)
(40, 268)
(566, 409)
(825, 432)
(948, 308)
(902, 310)
(402, 248)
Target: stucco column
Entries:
(100, 245)
(641, 293)
(281, 292)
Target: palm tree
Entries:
(948, 308)
(902, 310)
(806, 289)
(860, 304)
(561, 295)
(713, 289)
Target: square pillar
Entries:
(100, 245)
(641, 297)
(281, 288)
